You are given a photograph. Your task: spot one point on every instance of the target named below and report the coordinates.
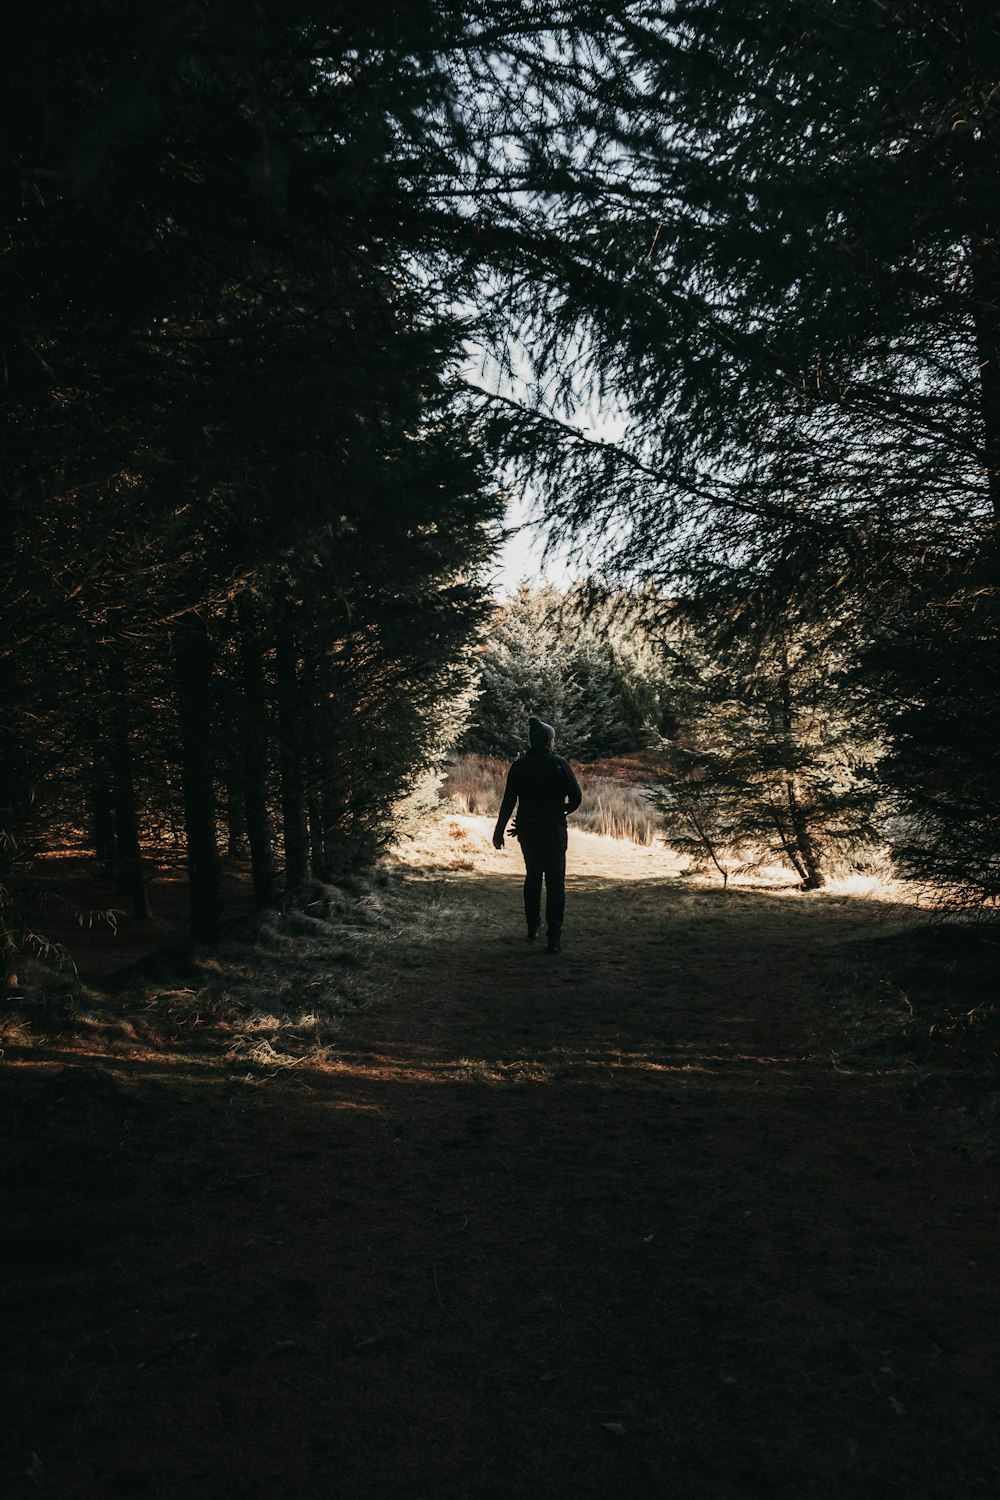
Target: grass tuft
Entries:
(611, 807)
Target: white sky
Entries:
(521, 557)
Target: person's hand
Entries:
(498, 839)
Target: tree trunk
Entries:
(707, 843)
(333, 863)
(332, 809)
(313, 690)
(15, 777)
(787, 843)
(315, 834)
(193, 677)
(256, 742)
(129, 864)
(807, 864)
(15, 800)
(986, 319)
(102, 819)
(814, 877)
(236, 822)
(295, 826)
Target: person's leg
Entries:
(555, 885)
(534, 864)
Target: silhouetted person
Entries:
(545, 790)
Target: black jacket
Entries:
(544, 788)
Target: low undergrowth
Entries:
(268, 999)
(926, 1000)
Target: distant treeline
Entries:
(760, 745)
(592, 663)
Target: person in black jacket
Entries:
(545, 790)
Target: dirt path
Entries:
(609, 1223)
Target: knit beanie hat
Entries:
(541, 736)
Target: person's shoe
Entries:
(532, 934)
(552, 946)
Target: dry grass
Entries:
(474, 784)
(460, 843)
(283, 1003)
(496, 1070)
(612, 806)
(616, 805)
(616, 810)
(272, 999)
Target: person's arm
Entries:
(574, 796)
(506, 808)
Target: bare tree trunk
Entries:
(15, 799)
(295, 826)
(130, 870)
(807, 864)
(102, 818)
(332, 814)
(813, 877)
(707, 843)
(15, 777)
(254, 757)
(193, 676)
(316, 837)
(787, 843)
(236, 822)
(314, 689)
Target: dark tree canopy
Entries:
(243, 512)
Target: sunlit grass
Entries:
(455, 842)
(482, 1070)
(611, 808)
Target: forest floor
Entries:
(705, 1206)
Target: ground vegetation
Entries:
(617, 795)
(706, 1202)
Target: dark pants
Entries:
(544, 850)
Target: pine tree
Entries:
(774, 760)
(544, 657)
(934, 661)
(227, 383)
(769, 234)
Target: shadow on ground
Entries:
(601, 1224)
